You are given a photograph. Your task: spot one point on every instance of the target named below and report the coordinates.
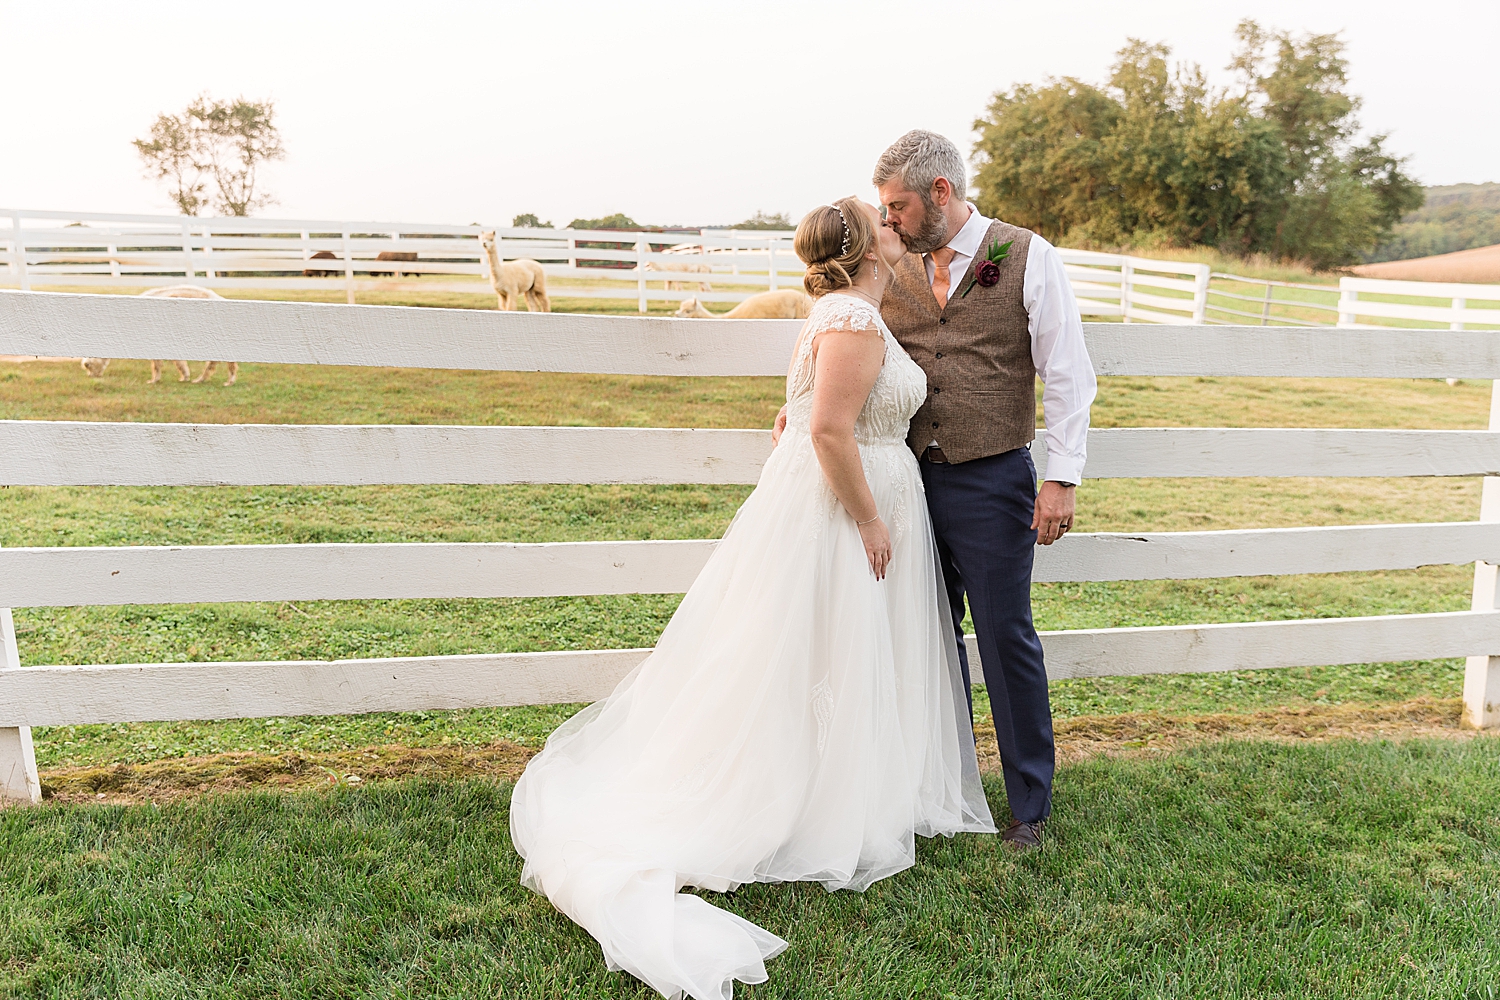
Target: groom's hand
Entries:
(1054, 511)
(778, 427)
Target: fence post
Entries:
(395, 268)
(641, 249)
(1482, 673)
(1347, 298)
(208, 253)
(1265, 309)
(188, 271)
(348, 270)
(1127, 272)
(18, 777)
(114, 259)
(1200, 296)
(18, 251)
(771, 257)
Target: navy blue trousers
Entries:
(981, 512)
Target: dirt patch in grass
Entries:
(166, 780)
(1153, 732)
(1133, 733)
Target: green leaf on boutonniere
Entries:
(987, 271)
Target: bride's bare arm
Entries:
(846, 364)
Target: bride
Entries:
(803, 715)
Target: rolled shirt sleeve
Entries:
(1061, 359)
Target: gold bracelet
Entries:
(867, 520)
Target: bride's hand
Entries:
(778, 427)
(877, 539)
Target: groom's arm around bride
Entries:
(985, 308)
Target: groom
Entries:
(983, 334)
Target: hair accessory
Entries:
(843, 250)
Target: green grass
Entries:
(1251, 870)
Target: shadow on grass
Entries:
(1237, 869)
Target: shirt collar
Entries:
(967, 240)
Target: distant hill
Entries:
(1454, 217)
(1480, 266)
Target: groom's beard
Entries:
(931, 234)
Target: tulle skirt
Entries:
(797, 720)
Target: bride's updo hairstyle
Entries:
(832, 241)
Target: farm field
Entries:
(1304, 832)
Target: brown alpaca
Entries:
(96, 366)
(784, 303)
(515, 278)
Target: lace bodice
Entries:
(899, 390)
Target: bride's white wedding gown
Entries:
(798, 719)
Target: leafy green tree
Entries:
(1158, 157)
(1041, 158)
(760, 220)
(223, 142)
(527, 220)
(617, 221)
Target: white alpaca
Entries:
(96, 366)
(683, 249)
(784, 303)
(515, 278)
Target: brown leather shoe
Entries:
(1024, 836)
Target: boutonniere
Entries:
(987, 271)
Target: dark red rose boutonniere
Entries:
(987, 271)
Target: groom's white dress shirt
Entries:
(1057, 348)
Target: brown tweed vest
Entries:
(976, 351)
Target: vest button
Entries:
(936, 389)
(942, 320)
(934, 425)
(938, 354)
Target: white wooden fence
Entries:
(81, 453)
(1354, 303)
(71, 249)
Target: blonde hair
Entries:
(832, 241)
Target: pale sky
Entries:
(686, 112)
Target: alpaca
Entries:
(313, 272)
(785, 303)
(692, 267)
(96, 366)
(522, 276)
(675, 285)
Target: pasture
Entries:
(1200, 848)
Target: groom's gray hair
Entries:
(917, 159)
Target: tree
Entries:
(170, 155)
(527, 220)
(617, 221)
(223, 142)
(760, 220)
(1159, 157)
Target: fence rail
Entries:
(66, 452)
(87, 453)
(64, 576)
